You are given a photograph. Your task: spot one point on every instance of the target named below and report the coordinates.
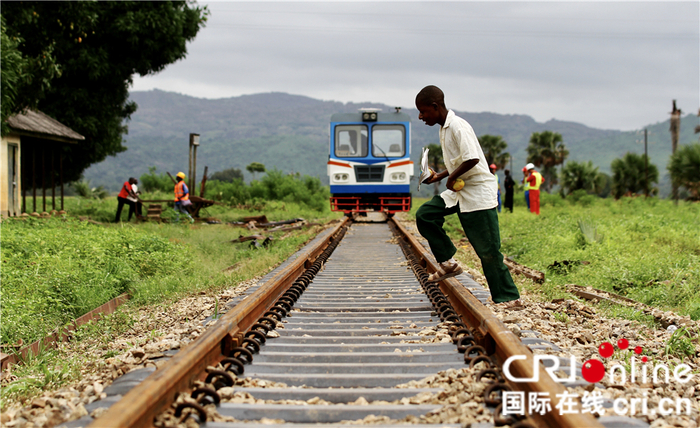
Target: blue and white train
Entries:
(369, 164)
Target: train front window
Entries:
(388, 141)
(351, 141)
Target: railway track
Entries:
(345, 330)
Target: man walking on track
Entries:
(535, 180)
(475, 203)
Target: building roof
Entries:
(34, 123)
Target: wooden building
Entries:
(31, 163)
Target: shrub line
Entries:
(61, 335)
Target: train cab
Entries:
(369, 163)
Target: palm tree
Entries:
(435, 161)
(579, 175)
(684, 168)
(493, 146)
(629, 177)
(547, 150)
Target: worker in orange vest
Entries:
(125, 193)
(535, 180)
(182, 197)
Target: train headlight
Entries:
(369, 116)
(398, 176)
(340, 177)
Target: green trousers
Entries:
(481, 228)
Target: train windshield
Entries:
(351, 141)
(388, 141)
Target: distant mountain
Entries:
(291, 133)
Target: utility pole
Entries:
(194, 143)
(675, 132)
(646, 166)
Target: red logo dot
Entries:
(645, 359)
(606, 350)
(593, 370)
(638, 350)
(623, 343)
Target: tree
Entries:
(603, 185)
(493, 146)
(547, 150)
(684, 168)
(435, 161)
(23, 76)
(629, 177)
(255, 167)
(228, 175)
(99, 46)
(579, 175)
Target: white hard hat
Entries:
(529, 166)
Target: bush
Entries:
(82, 188)
(581, 197)
(234, 193)
(228, 175)
(48, 281)
(153, 182)
(274, 186)
(278, 186)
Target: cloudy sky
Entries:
(611, 65)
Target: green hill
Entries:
(290, 133)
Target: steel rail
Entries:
(493, 335)
(143, 403)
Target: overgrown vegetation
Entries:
(56, 269)
(645, 249)
(273, 186)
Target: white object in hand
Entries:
(425, 171)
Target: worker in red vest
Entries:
(535, 180)
(182, 197)
(126, 192)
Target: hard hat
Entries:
(492, 166)
(524, 169)
(529, 166)
(181, 175)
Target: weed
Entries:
(589, 233)
(680, 344)
(36, 373)
(561, 317)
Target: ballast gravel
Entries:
(575, 327)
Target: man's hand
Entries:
(436, 177)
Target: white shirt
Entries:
(459, 144)
(134, 188)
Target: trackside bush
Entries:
(153, 182)
(274, 186)
(234, 193)
(55, 270)
(277, 186)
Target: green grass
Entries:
(56, 269)
(645, 249)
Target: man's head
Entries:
(492, 167)
(132, 180)
(180, 176)
(530, 167)
(430, 103)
